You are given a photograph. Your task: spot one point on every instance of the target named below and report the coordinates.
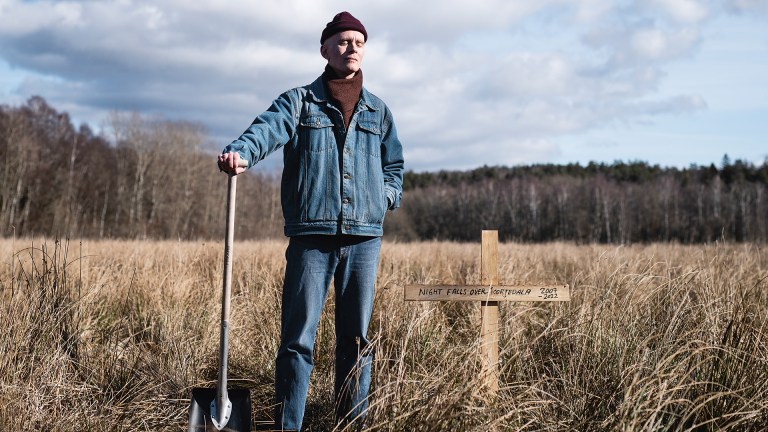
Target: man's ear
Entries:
(324, 51)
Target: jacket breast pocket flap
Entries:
(369, 126)
(316, 121)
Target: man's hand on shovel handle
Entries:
(231, 163)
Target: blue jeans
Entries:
(312, 261)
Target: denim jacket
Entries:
(334, 180)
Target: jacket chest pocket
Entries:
(316, 133)
(369, 136)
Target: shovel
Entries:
(216, 409)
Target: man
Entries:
(343, 168)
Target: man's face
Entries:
(344, 52)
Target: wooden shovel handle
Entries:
(222, 398)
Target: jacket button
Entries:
(346, 201)
(347, 176)
(347, 227)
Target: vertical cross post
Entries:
(489, 312)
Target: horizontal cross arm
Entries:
(525, 293)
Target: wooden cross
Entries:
(489, 293)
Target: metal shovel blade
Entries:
(200, 411)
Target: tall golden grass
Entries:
(111, 336)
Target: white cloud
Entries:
(685, 11)
(653, 44)
(749, 5)
(593, 10)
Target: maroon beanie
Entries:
(343, 21)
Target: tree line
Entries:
(140, 178)
(155, 178)
(618, 203)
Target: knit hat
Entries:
(343, 21)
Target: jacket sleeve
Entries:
(392, 161)
(269, 131)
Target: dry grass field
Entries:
(111, 336)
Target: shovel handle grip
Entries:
(241, 163)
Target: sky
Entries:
(470, 83)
